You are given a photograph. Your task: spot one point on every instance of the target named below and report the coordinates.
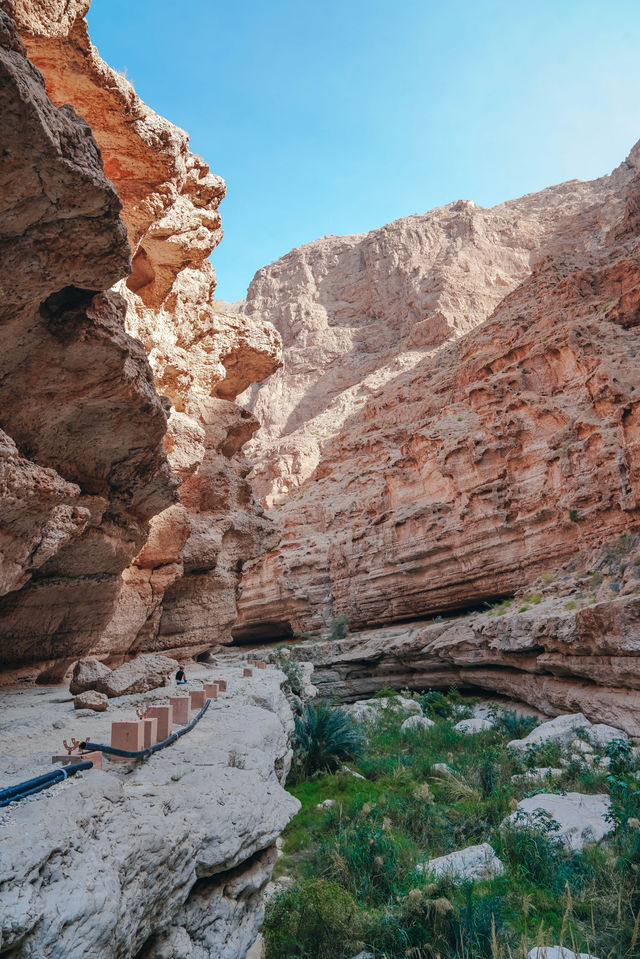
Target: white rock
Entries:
(91, 700)
(114, 824)
(535, 775)
(444, 769)
(281, 884)
(470, 726)
(557, 952)
(350, 772)
(581, 818)
(416, 722)
(602, 735)
(562, 729)
(369, 710)
(327, 804)
(474, 862)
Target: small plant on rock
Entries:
(339, 628)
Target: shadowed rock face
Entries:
(457, 473)
(84, 466)
(201, 355)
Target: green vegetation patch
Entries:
(354, 863)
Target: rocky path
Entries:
(166, 857)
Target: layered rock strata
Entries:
(554, 659)
(170, 858)
(412, 476)
(571, 644)
(83, 462)
(179, 591)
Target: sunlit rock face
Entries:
(196, 355)
(457, 410)
(83, 462)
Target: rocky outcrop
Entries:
(148, 671)
(481, 422)
(166, 858)
(83, 462)
(552, 655)
(200, 356)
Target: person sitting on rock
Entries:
(181, 677)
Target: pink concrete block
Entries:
(129, 736)
(211, 690)
(181, 709)
(260, 663)
(251, 662)
(164, 715)
(247, 672)
(221, 684)
(150, 730)
(197, 697)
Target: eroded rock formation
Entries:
(83, 461)
(178, 592)
(571, 644)
(458, 406)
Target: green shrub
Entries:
(439, 705)
(339, 628)
(513, 724)
(367, 856)
(324, 737)
(312, 921)
(477, 924)
(534, 852)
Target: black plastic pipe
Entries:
(31, 786)
(144, 753)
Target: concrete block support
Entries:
(181, 709)
(127, 735)
(197, 697)
(150, 730)
(164, 715)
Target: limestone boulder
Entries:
(87, 674)
(370, 710)
(562, 729)
(145, 672)
(473, 863)
(474, 725)
(91, 700)
(416, 722)
(574, 818)
(557, 952)
(602, 734)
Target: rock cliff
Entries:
(457, 410)
(129, 392)
(83, 462)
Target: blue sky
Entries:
(337, 117)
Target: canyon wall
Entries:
(121, 390)
(457, 410)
